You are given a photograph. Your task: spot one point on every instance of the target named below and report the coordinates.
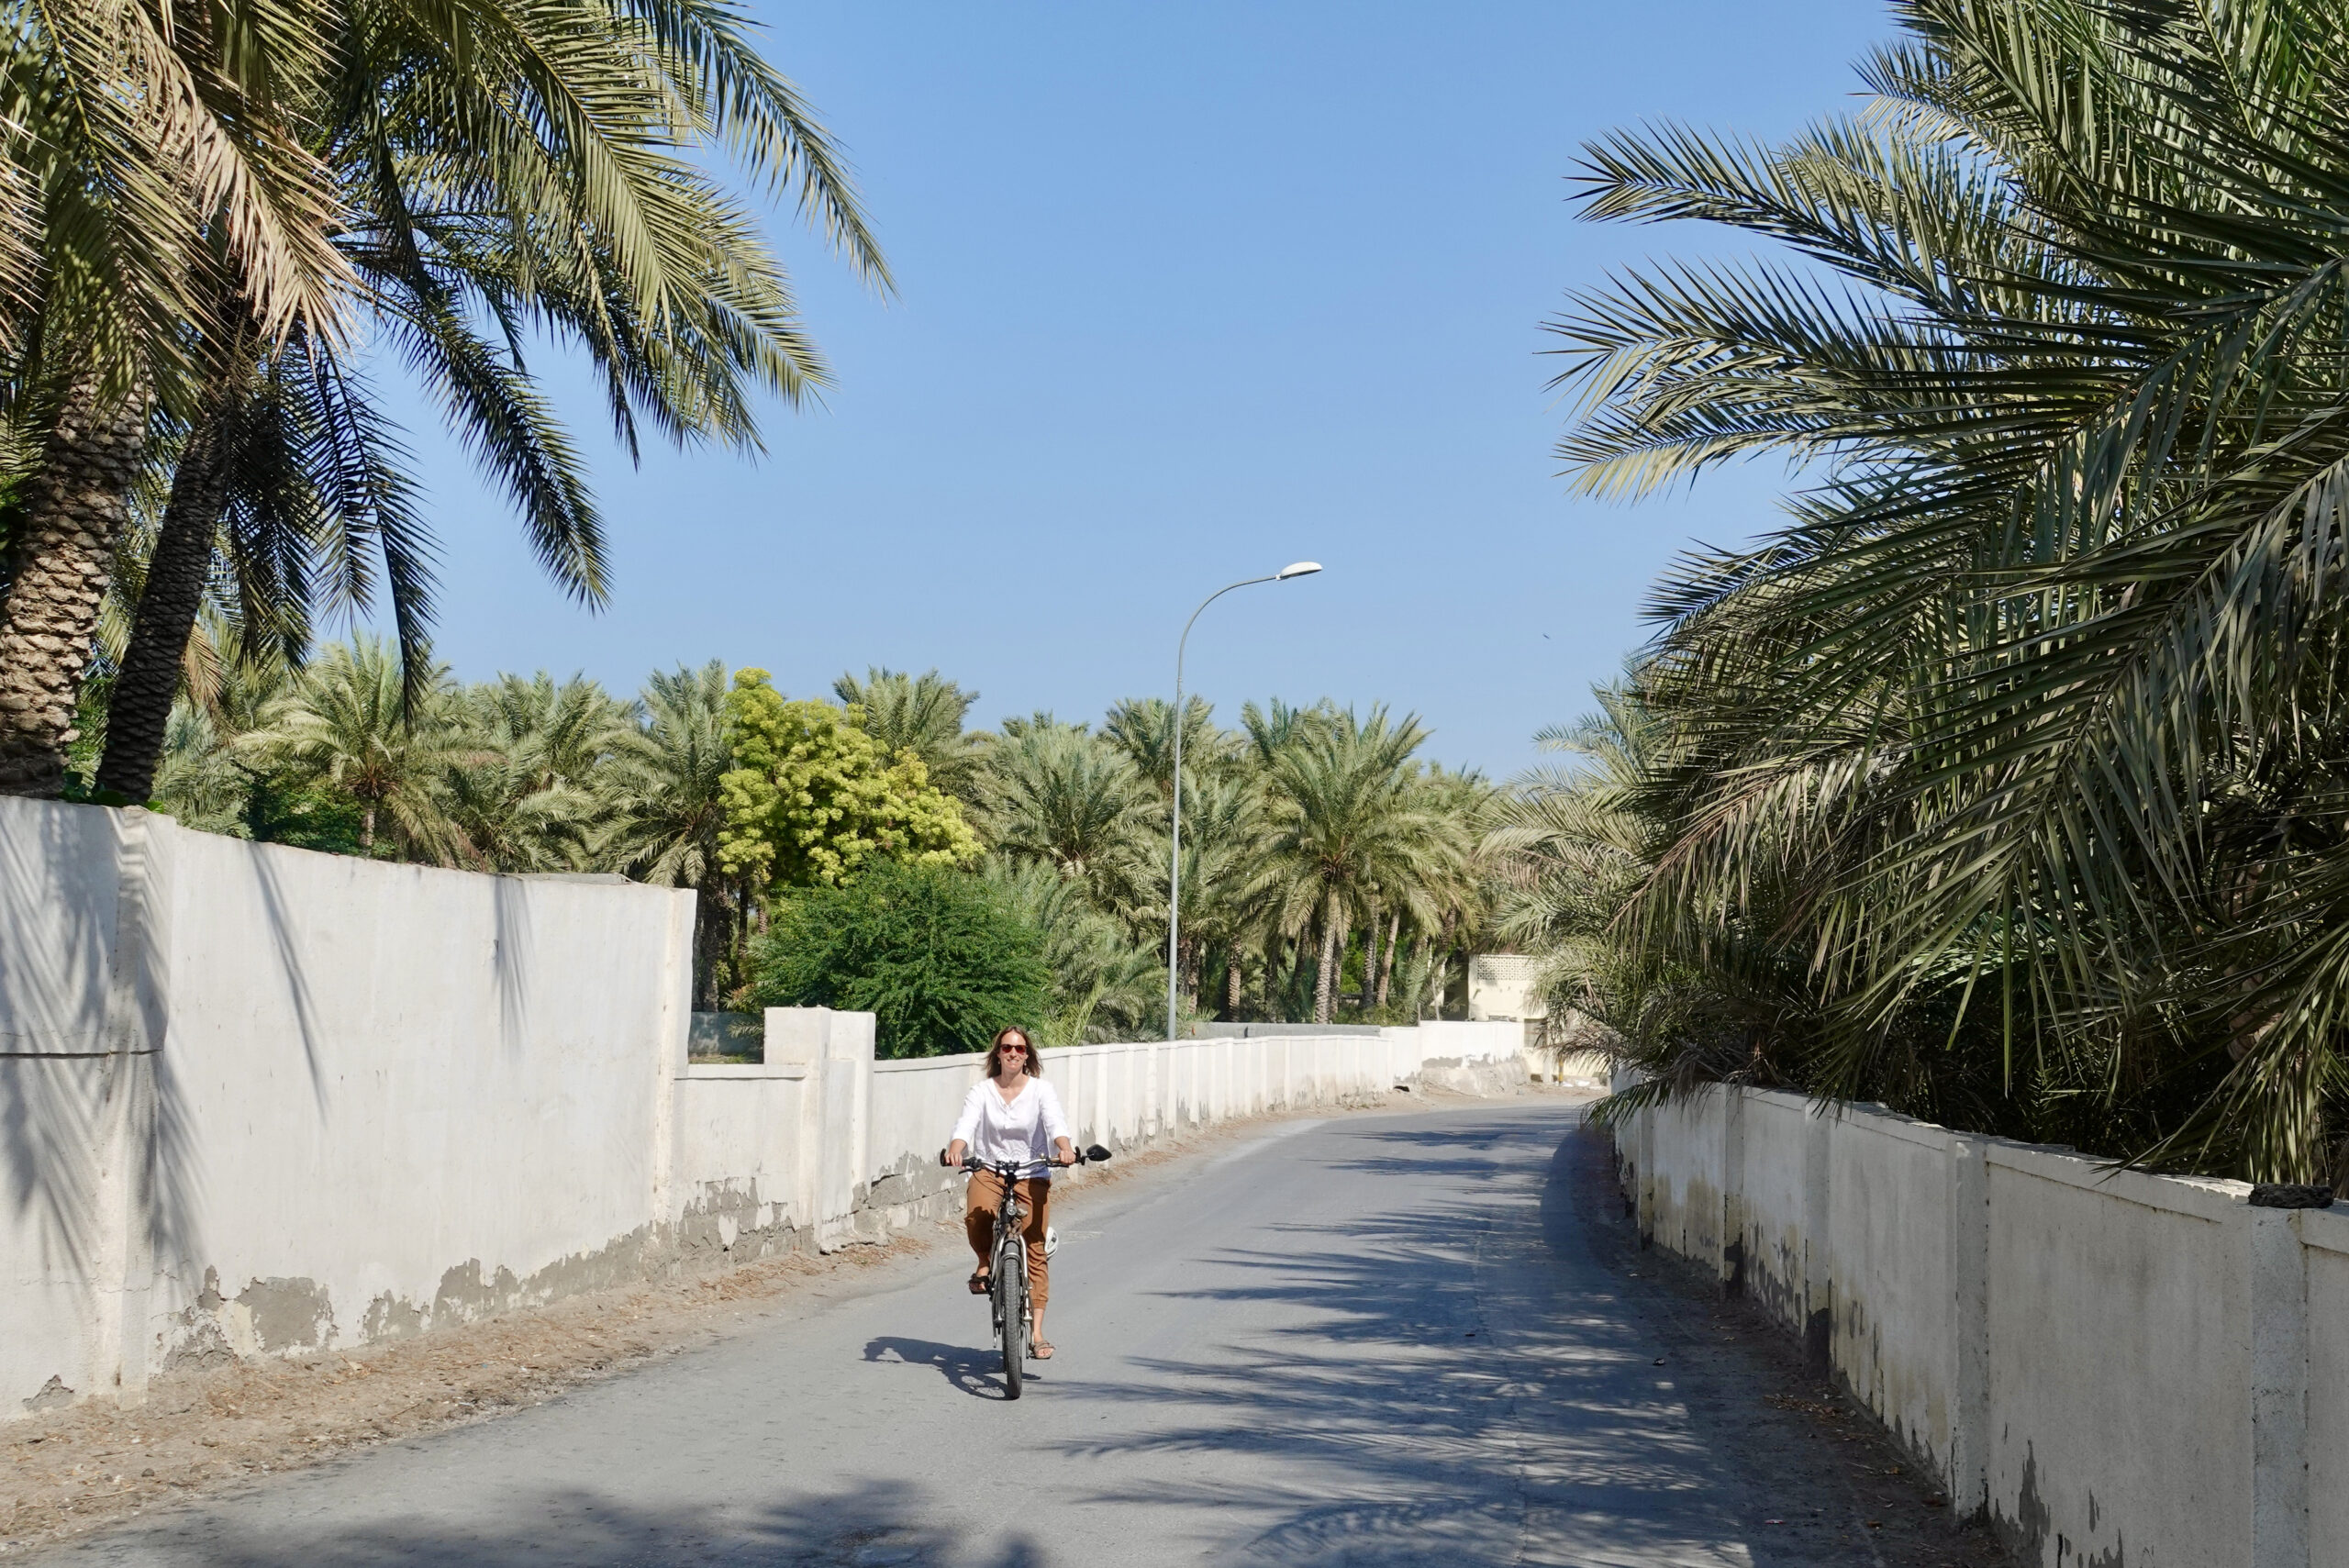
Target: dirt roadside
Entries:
(69, 1471)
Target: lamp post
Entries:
(1174, 859)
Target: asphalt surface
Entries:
(1371, 1341)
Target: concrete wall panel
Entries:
(1888, 1225)
(1770, 1191)
(398, 1102)
(2325, 1234)
(2119, 1364)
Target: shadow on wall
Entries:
(875, 1523)
(96, 1150)
(512, 908)
(284, 935)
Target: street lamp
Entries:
(1174, 859)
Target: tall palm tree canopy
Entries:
(473, 181)
(2022, 738)
(1350, 830)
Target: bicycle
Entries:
(1008, 1277)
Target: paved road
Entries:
(1369, 1341)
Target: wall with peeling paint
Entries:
(2119, 1368)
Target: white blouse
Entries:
(1022, 1130)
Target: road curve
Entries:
(1371, 1341)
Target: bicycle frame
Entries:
(1008, 1277)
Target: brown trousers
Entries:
(984, 1197)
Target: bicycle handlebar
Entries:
(1092, 1155)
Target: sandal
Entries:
(981, 1281)
(1041, 1350)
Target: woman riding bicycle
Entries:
(1012, 1116)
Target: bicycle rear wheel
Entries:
(1011, 1315)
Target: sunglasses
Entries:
(1007, 1050)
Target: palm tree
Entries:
(1059, 795)
(1272, 728)
(922, 714)
(1142, 728)
(1225, 881)
(1104, 984)
(205, 778)
(527, 783)
(669, 810)
(150, 161)
(572, 197)
(2007, 774)
(198, 783)
(1348, 828)
(346, 722)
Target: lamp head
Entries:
(1298, 569)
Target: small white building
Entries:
(1508, 985)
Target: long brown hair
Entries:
(994, 1052)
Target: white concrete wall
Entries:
(404, 1095)
(2117, 1367)
(258, 1101)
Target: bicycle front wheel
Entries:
(1011, 1317)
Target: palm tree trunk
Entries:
(1386, 968)
(1325, 982)
(140, 708)
(75, 510)
(1232, 985)
(1444, 961)
(1369, 956)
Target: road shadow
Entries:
(1413, 1352)
(878, 1523)
(1491, 1377)
(978, 1373)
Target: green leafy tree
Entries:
(937, 956)
(812, 799)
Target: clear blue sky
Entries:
(1187, 292)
